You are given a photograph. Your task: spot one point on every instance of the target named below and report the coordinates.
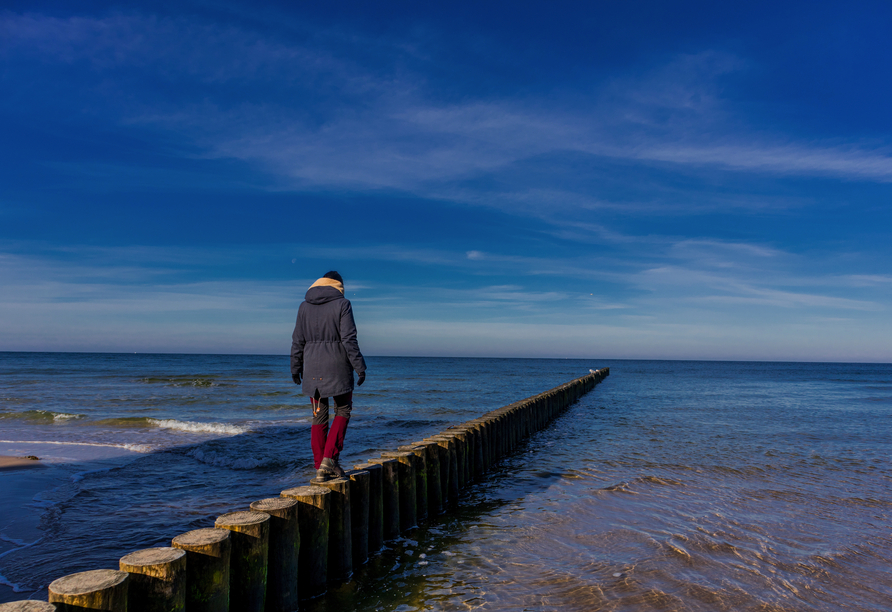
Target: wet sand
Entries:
(19, 463)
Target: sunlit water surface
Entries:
(671, 486)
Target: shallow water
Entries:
(672, 485)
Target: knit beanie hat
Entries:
(334, 276)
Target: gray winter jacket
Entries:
(324, 349)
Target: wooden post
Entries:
(432, 470)
(479, 446)
(459, 444)
(340, 529)
(421, 478)
(376, 505)
(408, 495)
(391, 490)
(448, 466)
(284, 553)
(250, 555)
(465, 445)
(482, 463)
(208, 553)
(360, 485)
(93, 590)
(157, 580)
(312, 518)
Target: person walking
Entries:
(324, 355)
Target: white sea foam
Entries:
(64, 416)
(136, 448)
(21, 545)
(194, 427)
(16, 587)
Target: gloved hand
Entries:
(361, 379)
(296, 378)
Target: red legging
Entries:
(329, 443)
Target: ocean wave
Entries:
(181, 381)
(186, 426)
(136, 448)
(41, 416)
(196, 427)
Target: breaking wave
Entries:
(136, 448)
(195, 427)
(41, 416)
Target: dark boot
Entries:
(328, 469)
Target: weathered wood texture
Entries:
(282, 592)
(340, 529)
(157, 579)
(93, 590)
(312, 517)
(208, 554)
(376, 505)
(249, 532)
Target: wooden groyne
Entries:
(280, 550)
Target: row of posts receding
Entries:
(285, 549)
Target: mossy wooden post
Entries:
(282, 591)
(28, 605)
(475, 449)
(208, 553)
(360, 485)
(93, 590)
(249, 532)
(448, 466)
(513, 414)
(456, 448)
(421, 478)
(483, 452)
(391, 489)
(408, 495)
(535, 408)
(503, 435)
(489, 442)
(312, 518)
(467, 446)
(505, 416)
(376, 505)
(528, 407)
(431, 452)
(157, 580)
(340, 529)
(459, 456)
(442, 462)
(520, 417)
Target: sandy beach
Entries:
(19, 463)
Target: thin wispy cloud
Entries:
(396, 136)
(195, 169)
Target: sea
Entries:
(673, 485)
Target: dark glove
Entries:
(361, 379)
(296, 378)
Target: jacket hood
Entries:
(322, 295)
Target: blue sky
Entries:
(691, 180)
